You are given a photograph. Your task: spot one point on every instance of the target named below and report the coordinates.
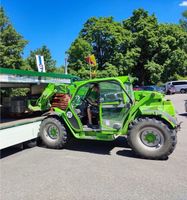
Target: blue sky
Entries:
(56, 23)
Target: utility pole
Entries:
(66, 67)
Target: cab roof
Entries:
(123, 79)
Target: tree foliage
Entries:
(59, 70)
(144, 45)
(11, 44)
(138, 46)
(104, 38)
(173, 51)
(78, 51)
(160, 48)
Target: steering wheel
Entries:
(87, 101)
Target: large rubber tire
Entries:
(53, 133)
(163, 142)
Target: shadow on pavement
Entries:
(97, 147)
(131, 154)
(16, 149)
(91, 146)
(9, 151)
(128, 153)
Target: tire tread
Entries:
(64, 139)
(172, 132)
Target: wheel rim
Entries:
(51, 131)
(182, 91)
(152, 138)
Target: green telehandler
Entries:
(146, 118)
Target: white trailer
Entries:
(19, 131)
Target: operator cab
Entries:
(108, 110)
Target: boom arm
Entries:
(43, 103)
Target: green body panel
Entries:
(156, 101)
(157, 106)
(139, 104)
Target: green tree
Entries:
(104, 38)
(78, 51)
(172, 54)
(158, 51)
(140, 57)
(50, 64)
(183, 21)
(59, 70)
(138, 46)
(109, 71)
(11, 44)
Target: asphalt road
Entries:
(95, 170)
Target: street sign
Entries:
(40, 63)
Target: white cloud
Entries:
(184, 3)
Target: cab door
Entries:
(76, 109)
(114, 106)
